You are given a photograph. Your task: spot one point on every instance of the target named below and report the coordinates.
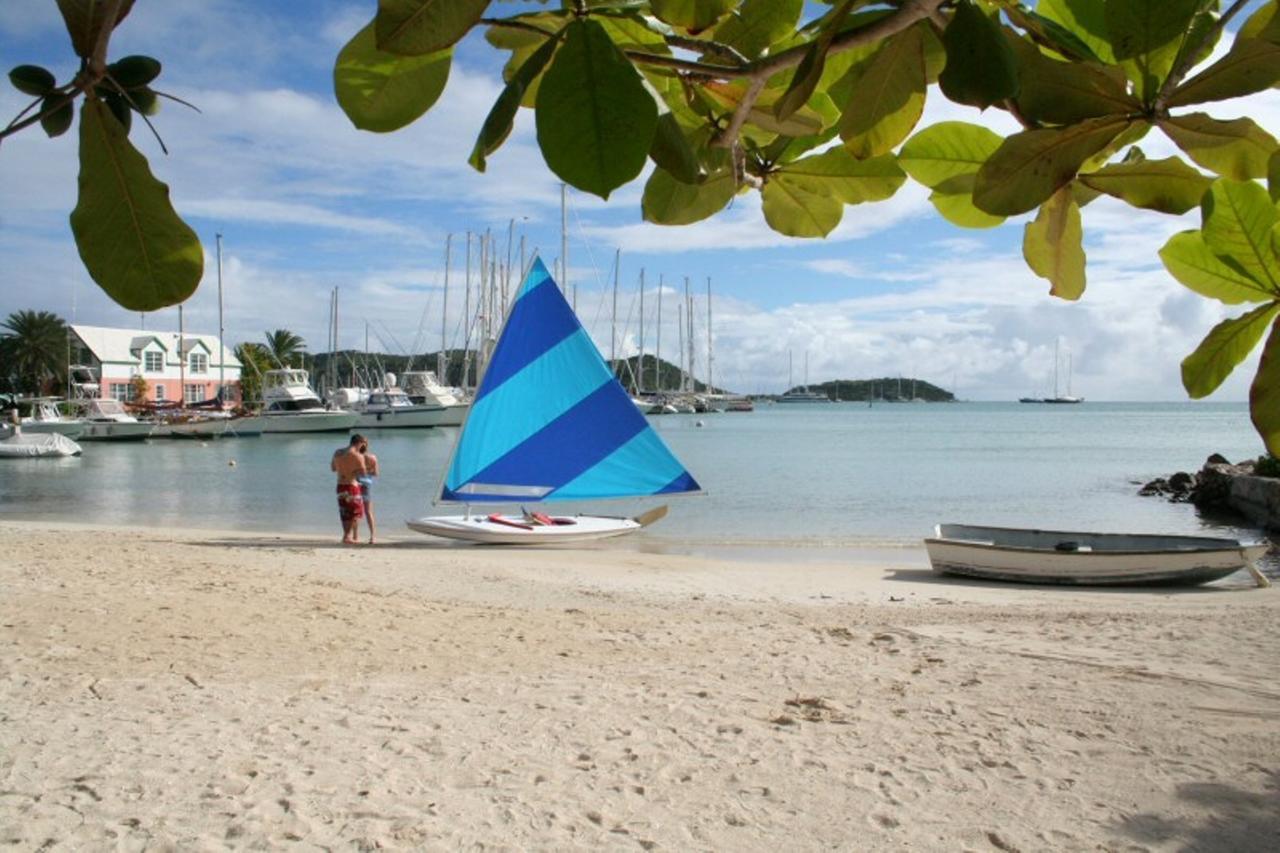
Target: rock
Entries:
(1217, 459)
(1182, 482)
(1158, 486)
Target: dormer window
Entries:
(198, 363)
(153, 362)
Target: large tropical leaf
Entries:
(1252, 66)
(1084, 19)
(1031, 166)
(1238, 220)
(692, 15)
(1236, 149)
(595, 118)
(668, 201)
(1067, 92)
(497, 125)
(758, 24)
(1053, 245)
(381, 91)
(1189, 259)
(889, 98)
(131, 240)
(947, 149)
(954, 201)
(981, 69)
(838, 174)
(85, 20)
(416, 27)
(1264, 394)
(1273, 175)
(791, 208)
(1146, 36)
(1169, 185)
(1226, 345)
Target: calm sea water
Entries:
(840, 475)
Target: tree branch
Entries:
(1189, 58)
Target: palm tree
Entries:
(33, 351)
(254, 359)
(283, 346)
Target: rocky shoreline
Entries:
(1221, 486)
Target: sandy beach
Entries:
(168, 689)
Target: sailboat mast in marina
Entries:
(551, 423)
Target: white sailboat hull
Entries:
(319, 421)
(116, 431)
(1067, 557)
(408, 418)
(517, 530)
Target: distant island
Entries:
(895, 389)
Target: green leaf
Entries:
(57, 113)
(120, 109)
(1226, 345)
(1085, 19)
(33, 80)
(981, 69)
(1263, 23)
(759, 24)
(1050, 34)
(1252, 66)
(1189, 259)
(1238, 218)
(85, 19)
(947, 149)
(1273, 175)
(144, 100)
(1053, 245)
(1169, 185)
(133, 71)
(889, 99)
(954, 200)
(595, 117)
(1140, 28)
(497, 125)
(671, 150)
(1236, 149)
(791, 208)
(813, 66)
(1031, 166)
(1264, 394)
(417, 27)
(692, 15)
(381, 91)
(668, 201)
(1067, 92)
(840, 175)
(131, 240)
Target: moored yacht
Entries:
(391, 408)
(41, 415)
(424, 389)
(291, 405)
(106, 420)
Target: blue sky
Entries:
(306, 203)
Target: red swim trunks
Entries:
(350, 502)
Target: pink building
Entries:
(190, 369)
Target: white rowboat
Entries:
(1101, 559)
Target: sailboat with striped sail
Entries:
(551, 423)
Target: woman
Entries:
(366, 485)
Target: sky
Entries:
(305, 203)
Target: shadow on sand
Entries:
(928, 576)
(1240, 820)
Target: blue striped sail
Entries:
(550, 422)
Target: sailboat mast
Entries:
(466, 321)
(613, 323)
(657, 347)
(441, 362)
(684, 383)
(182, 363)
(640, 357)
(564, 241)
(222, 359)
(710, 387)
(688, 315)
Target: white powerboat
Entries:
(1071, 557)
(106, 420)
(41, 415)
(291, 405)
(19, 444)
(424, 389)
(391, 408)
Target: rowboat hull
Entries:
(1085, 559)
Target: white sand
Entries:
(187, 690)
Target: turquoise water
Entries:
(839, 475)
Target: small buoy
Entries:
(698, 423)
(231, 463)
(204, 444)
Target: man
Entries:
(348, 463)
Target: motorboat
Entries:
(41, 415)
(20, 444)
(291, 405)
(425, 389)
(1027, 555)
(107, 420)
(391, 408)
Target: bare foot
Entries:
(370, 540)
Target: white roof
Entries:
(120, 345)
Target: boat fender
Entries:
(1067, 546)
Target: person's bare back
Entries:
(349, 464)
